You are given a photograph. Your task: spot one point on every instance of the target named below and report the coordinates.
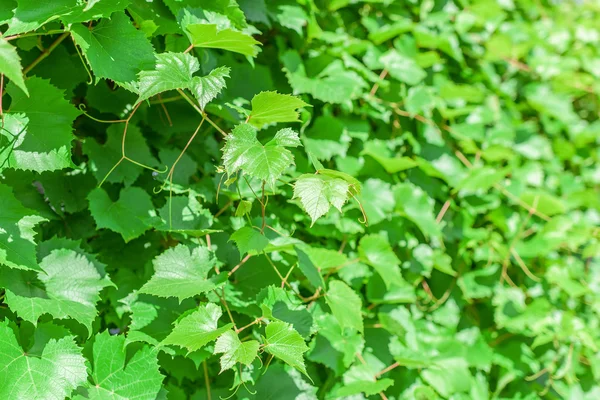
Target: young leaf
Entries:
(10, 65)
(197, 329)
(181, 273)
(210, 36)
(376, 251)
(68, 287)
(17, 245)
(114, 48)
(207, 87)
(131, 215)
(272, 107)
(345, 305)
(235, 351)
(175, 71)
(286, 344)
(318, 193)
(39, 128)
(114, 378)
(249, 240)
(243, 151)
(54, 375)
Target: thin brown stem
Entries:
(45, 53)
(388, 369)
(263, 209)
(376, 85)
(256, 321)
(224, 302)
(240, 264)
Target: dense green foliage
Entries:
(279, 199)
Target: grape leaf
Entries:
(345, 305)
(318, 193)
(10, 65)
(376, 251)
(17, 245)
(197, 329)
(115, 378)
(115, 49)
(210, 36)
(54, 375)
(403, 68)
(265, 162)
(286, 344)
(181, 273)
(67, 287)
(131, 215)
(235, 351)
(249, 240)
(175, 71)
(272, 107)
(39, 128)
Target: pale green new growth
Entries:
(181, 273)
(210, 36)
(197, 329)
(286, 344)
(244, 152)
(318, 193)
(10, 64)
(272, 107)
(175, 71)
(234, 351)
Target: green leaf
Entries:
(309, 269)
(181, 273)
(10, 65)
(17, 245)
(249, 240)
(376, 251)
(318, 193)
(94, 10)
(59, 370)
(286, 344)
(197, 329)
(403, 68)
(104, 157)
(243, 151)
(131, 215)
(175, 71)
(210, 36)
(38, 128)
(272, 107)
(68, 286)
(418, 207)
(115, 378)
(206, 88)
(234, 351)
(345, 305)
(114, 48)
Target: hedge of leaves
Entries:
(309, 199)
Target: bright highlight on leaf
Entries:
(234, 351)
(197, 329)
(10, 64)
(210, 36)
(286, 344)
(55, 374)
(244, 152)
(272, 107)
(318, 193)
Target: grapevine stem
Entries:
(45, 53)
